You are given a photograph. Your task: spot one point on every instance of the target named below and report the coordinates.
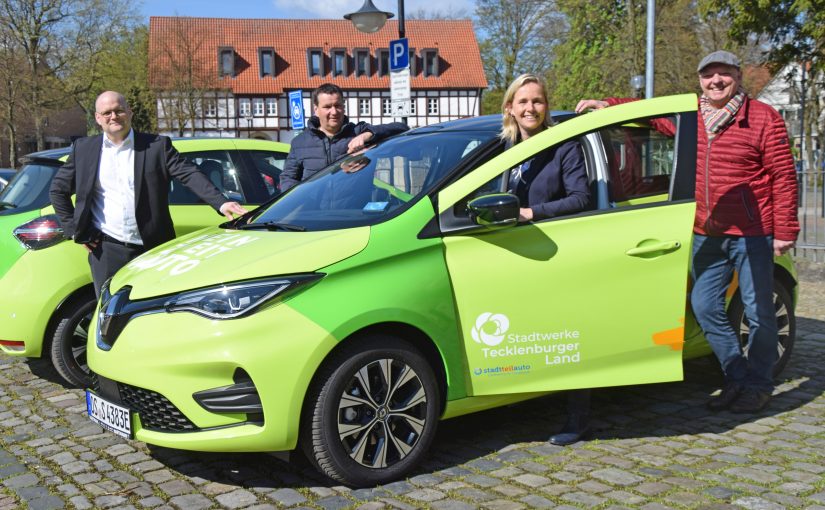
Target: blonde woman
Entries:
(554, 182)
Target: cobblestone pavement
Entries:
(655, 447)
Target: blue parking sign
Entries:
(399, 54)
(296, 109)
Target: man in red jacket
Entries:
(746, 212)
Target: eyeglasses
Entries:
(116, 113)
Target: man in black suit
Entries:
(121, 179)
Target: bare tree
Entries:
(61, 42)
(182, 75)
(517, 36)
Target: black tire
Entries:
(68, 346)
(386, 425)
(785, 321)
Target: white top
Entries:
(113, 203)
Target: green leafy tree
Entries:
(605, 47)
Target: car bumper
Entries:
(180, 354)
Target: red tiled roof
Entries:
(460, 64)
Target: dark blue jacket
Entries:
(312, 150)
(555, 182)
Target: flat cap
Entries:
(718, 57)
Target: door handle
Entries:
(656, 247)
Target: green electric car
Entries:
(396, 288)
(47, 300)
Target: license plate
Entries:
(110, 416)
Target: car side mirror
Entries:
(494, 211)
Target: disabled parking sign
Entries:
(296, 109)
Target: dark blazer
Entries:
(555, 183)
(156, 163)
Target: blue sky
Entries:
(334, 9)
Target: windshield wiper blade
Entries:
(272, 225)
(7, 205)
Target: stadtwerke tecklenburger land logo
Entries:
(490, 328)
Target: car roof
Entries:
(483, 123)
(54, 156)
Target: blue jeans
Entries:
(714, 260)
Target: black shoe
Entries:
(576, 428)
(751, 401)
(728, 396)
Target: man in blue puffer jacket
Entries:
(329, 135)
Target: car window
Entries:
(369, 187)
(269, 166)
(640, 159)
(218, 168)
(30, 190)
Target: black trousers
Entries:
(108, 257)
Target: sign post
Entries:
(296, 109)
(400, 78)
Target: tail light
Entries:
(40, 232)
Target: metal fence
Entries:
(811, 242)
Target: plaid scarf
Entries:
(717, 119)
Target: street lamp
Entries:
(637, 83)
(369, 19)
(248, 117)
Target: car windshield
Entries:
(29, 189)
(367, 188)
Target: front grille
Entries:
(156, 411)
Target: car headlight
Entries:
(236, 299)
(228, 301)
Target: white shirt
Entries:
(113, 204)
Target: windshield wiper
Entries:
(7, 205)
(272, 225)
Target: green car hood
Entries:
(214, 256)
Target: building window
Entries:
(362, 62)
(432, 106)
(315, 62)
(430, 61)
(383, 62)
(272, 106)
(244, 107)
(267, 61)
(226, 62)
(258, 107)
(363, 106)
(413, 66)
(339, 62)
(210, 108)
(412, 106)
(386, 107)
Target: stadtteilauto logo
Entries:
(490, 328)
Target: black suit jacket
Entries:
(156, 163)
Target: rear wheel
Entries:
(785, 321)
(68, 349)
(372, 412)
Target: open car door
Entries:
(592, 299)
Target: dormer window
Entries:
(339, 62)
(430, 62)
(362, 62)
(266, 57)
(226, 62)
(315, 62)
